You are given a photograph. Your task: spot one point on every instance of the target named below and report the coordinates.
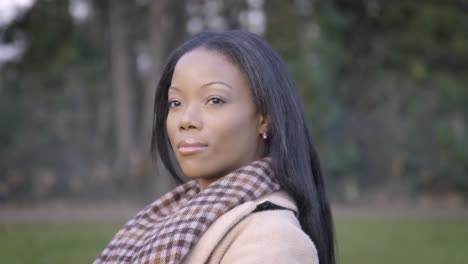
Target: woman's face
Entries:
(213, 125)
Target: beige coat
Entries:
(242, 237)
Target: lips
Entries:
(190, 147)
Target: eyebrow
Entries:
(217, 82)
(205, 85)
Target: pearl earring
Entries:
(264, 135)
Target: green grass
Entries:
(49, 244)
(359, 241)
(403, 241)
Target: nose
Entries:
(190, 118)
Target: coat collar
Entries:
(280, 198)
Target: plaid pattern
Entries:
(166, 230)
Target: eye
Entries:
(215, 100)
(173, 103)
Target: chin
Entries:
(193, 170)
(198, 171)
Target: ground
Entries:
(75, 233)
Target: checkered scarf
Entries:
(165, 231)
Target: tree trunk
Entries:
(122, 82)
(156, 33)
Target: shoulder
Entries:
(268, 236)
(273, 236)
(277, 220)
(276, 212)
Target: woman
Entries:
(228, 115)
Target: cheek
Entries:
(170, 128)
(236, 133)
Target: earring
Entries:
(264, 135)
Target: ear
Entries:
(263, 123)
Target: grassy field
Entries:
(359, 241)
(403, 241)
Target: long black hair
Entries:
(294, 159)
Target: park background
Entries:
(384, 85)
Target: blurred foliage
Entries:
(405, 64)
(384, 87)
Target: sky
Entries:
(8, 10)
